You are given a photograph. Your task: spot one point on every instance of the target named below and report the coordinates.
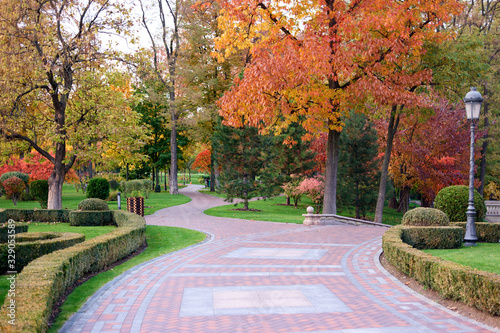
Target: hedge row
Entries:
(470, 286)
(38, 215)
(30, 246)
(45, 279)
(433, 237)
(485, 232)
(91, 218)
(4, 231)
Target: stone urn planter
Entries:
(136, 205)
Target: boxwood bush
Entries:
(454, 200)
(486, 232)
(433, 237)
(90, 218)
(39, 189)
(98, 188)
(422, 216)
(93, 204)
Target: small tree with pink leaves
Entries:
(14, 186)
(314, 188)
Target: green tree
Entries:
(358, 164)
(247, 162)
(55, 90)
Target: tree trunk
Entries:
(56, 178)
(126, 173)
(212, 173)
(484, 147)
(391, 132)
(287, 200)
(404, 200)
(174, 187)
(332, 160)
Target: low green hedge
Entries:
(470, 286)
(30, 246)
(433, 237)
(45, 279)
(90, 218)
(38, 215)
(3, 216)
(4, 231)
(485, 232)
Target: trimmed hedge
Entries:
(424, 216)
(4, 231)
(3, 216)
(470, 286)
(34, 245)
(433, 237)
(485, 232)
(45, 279)
(93, 204)
(90, 218)
(39, 215)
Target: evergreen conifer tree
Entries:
(358, 165)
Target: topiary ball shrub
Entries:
(93, 204)
(425, 217)
(39, 189)
(98, 188)
(454, 200)
(113, 184)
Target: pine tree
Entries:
(358, 165)
(247, 162)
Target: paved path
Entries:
(252, 276)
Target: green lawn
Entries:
(71, 198)
(484, 256)
(273, 210)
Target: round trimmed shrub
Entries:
(93, 204)
(425, 217)
(454, 200)
(113, 184)
(98, 188)
(39, 189)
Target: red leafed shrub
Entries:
(14, 186)
(314, 188)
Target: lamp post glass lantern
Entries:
(473, 101)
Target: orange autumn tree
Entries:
(311, 61)
(202, 161)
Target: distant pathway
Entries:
(252, 276)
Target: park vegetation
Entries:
(353, 104)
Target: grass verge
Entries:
(484, 256)
(71, 198)
(161, 240)
(273, 210)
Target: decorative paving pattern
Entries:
(277, 253)
(264, 277)
(252, 300)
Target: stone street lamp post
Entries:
(473, 101)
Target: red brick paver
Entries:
(335, 267)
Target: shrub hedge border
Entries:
(437, 237)
(45, 279)
(28, 250)
(38, 215)
(486, 232)
(451, 280)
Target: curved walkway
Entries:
(252, 276)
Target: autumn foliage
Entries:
(36, 166)
(13, 187)
(202, 161)
(431, 152)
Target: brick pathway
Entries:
(252, 276)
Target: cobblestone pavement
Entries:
(251, 276)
